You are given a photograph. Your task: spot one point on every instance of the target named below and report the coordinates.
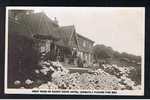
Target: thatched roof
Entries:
(33, 24)
(39, 25)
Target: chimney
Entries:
(55, 21)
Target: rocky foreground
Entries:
(52, 75)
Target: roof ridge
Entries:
(67, 26)
(85, 37)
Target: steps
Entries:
(73, 68)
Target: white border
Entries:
(29, 91)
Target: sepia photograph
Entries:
(75, 50)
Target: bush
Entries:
(102, 52)
(22, 58)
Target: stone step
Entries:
(73, 68)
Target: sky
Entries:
(118, 27)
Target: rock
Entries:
(45, 70)
(35, 88)
(17, 82)
(22, 87)
(49, 83)
(28, 81)
(103, 79)
(46, 63)
(37, 71)
(138, 87)
(44, 86)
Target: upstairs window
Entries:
(84, 43)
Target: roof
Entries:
(40, 25)
(34, 24)
(67, 31)
(85, 38)
(65, 34)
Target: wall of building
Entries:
(85, 46)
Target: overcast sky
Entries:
(120, 28)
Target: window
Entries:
(89, 45)
(84, 43)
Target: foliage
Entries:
(104, 52)
(22, 57)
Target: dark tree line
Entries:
(104, 52)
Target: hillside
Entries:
(106, 55)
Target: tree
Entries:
(23, 58)
(102, 52)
